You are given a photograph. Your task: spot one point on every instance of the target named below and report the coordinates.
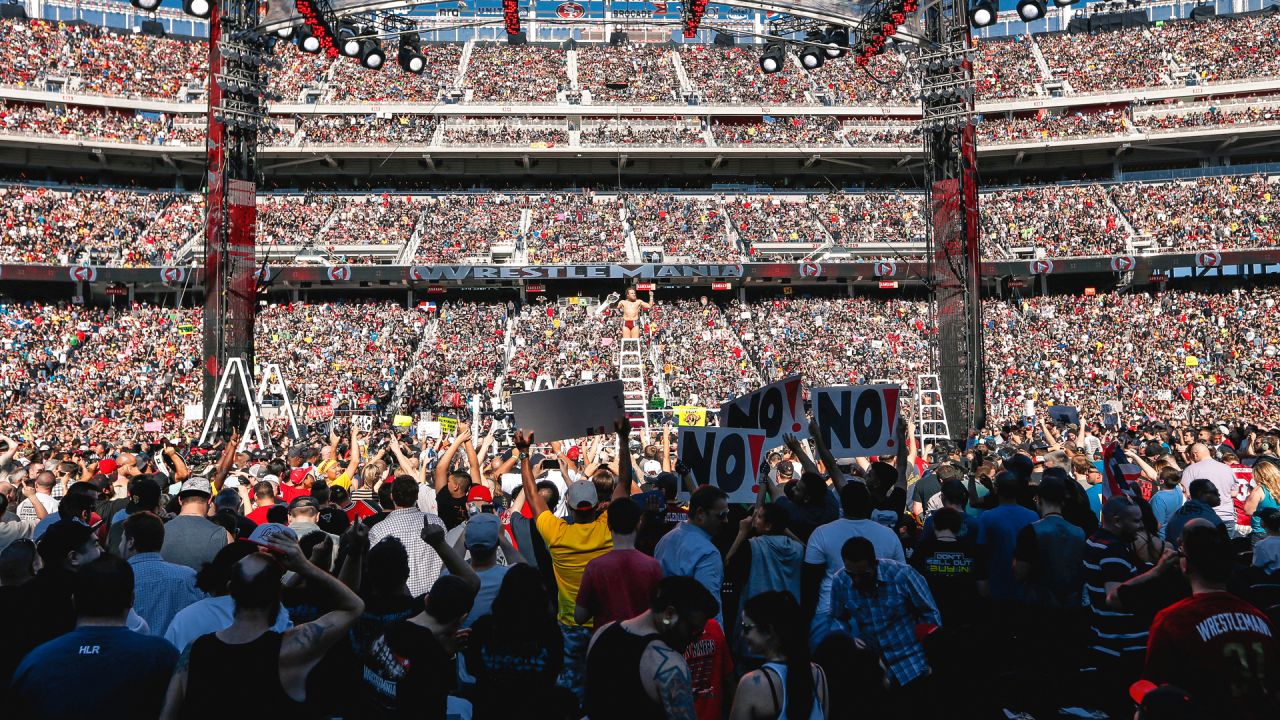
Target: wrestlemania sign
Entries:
(431, 273)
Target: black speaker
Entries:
(617, 38)
(723, 40)
(517, 39)
(153, 28)
(1203, 12)
(13, 11)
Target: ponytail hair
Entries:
(778, 613)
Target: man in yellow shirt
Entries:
(573, 545)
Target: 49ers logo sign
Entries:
(570, 10)
(1041, 267)
(810, 269)
(173, 274)
(84, 273)
(885, 269)
(1123, 263)
(339, 273)
(1209, 259)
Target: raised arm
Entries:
(666, 448)
(824, 453)
(10, 451)
(806, 462)
(224, 462)
(446, 460)
(353, 455)
(179, 466)
(352, 571)
(415, 469)
(625, 468)
(536, 502)
(433, 535)
(303, 646)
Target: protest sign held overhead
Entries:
(858, 420)
(776, 409)
(728, 458)
(569, 412)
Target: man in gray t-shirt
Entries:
(1222, 477)
(190, 538)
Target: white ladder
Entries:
(931, 412)
(631, 373)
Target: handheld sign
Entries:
(570, 412)
(858, 421)
(725, 457)
(448, 425)
(777, 409)
(1065, 414)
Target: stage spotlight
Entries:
(410, 56)
(371, 54)
(837, 43)
(812, 57)
(346, 39)
(307, 42)
(198, 8)
(1065, 3)
(983, 14)
(1031, 10)
(285, 33)
(773, 58)
(148, 5)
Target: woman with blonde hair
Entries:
(1266, 494)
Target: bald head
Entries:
(1200, 451)
(46, 480)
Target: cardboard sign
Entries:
(191, 413)
(154, 426)
(858, 420)
(428, 429)
(570, 412)
(1065, 414)
(690, 416)
(777, 409)
(448, 425)
(363, 423)
(402, 421)
(728, 458)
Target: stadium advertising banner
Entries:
(432, 278)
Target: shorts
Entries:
(629, 324)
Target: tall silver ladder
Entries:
(631, 373)
(931, 412)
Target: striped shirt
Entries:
(1116, 633)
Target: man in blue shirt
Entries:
(162, 588)
(1000, 528)
(688, 551)
(95, 654)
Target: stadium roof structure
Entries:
(283, 13)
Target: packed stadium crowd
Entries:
(621, 132)
(462, 355)
(77, 122)
(367, 130)
(1096, 566)
(48, 225)
(687, 228)
(502, 73)
(507, 133)
(352, 83)
(637, 73)
(1071, 126)
(886, 80)
(1006, 69)
(1210, 116)
(796, 130)
(732, 76)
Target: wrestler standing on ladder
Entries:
(631, 308)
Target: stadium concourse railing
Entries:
(440, 278)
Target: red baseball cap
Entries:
(479, 493)
(298, 475)
(574, 453)
(106, 466)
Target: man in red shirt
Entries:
(264, 496)
(1219, 648)
(616, 585)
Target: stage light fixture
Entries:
(1065, 3)
(197, 8)
(285, 33)
(812, 57)
(837, 43)
(346, 39)
(1031, 10)
(773, 58)
(371, 54)
(410, 56)
(147, 5)
(307, 42)
(983, 14)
